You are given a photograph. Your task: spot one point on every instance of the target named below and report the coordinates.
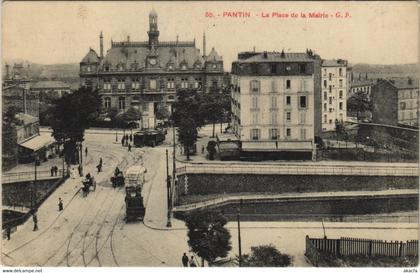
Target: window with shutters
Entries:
(121, 84)
(255, 118)
(255, 86)
(340, 106)
(325, 96)
(135, 84)
(255, 134)
(288, 100)
(340, 94)
(288, 84)
(288, 132)
(273, 102)
(340, 83)
(121, 103)
(325, 83)
(273, 117)
(272, 133)
(170, 84)
(107, 102)
(288, 116)
(153, 84)
(302, 133)
(107, 84)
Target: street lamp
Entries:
(34, 187)
(238, 210)
(81, 159)
(168, 190)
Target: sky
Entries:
(62, 32)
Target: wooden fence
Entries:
(355, 246)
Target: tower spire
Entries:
(101, 45)
(153, 29)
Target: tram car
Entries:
(118, 179)
(135, 179)
(150, 138)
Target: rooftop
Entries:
(334, 63)
(277, 57)
(50, 85)
(403, 83)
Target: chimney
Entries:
(410, 81)
(282, 53)
(265, 54)
(128, 38)
(7, 72)
(204, 44)
(101, 45)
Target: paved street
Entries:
(91, 231)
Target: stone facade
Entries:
(273, 101)
(144, 74)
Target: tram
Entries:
(134, 181)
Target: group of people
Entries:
(188, 262)
(54, 170)
(126, 141)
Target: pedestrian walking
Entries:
(52, 171)
(35, 219)
(129, 147)
(99, 167)
(100, 161)
(60, 204)
(86, 151)
(131, 138)
(185, 260)
(8, 232)
(80, 170)
(192, 262)
(122, 141)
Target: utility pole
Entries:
(168, 190)
(64, 156)
(34, 186)
(81, 159)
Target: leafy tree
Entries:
(131, 116)
(71, 115)
(359, 103)
(211, 149)
(113, 114)
(162, 112)
(212, 108)
(266, 256)
(187, 117)
(187, 134)
(208, 237)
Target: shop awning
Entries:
(280, 146)
(38, 142)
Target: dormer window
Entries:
(107, 68)
(120, 68)
(170, 67)
(214, 66)
(184, 67)
(88, 69)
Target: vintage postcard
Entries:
(210, 134)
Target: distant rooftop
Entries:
(334, 63)
(26, 119)
(403, 83)
(50, 85)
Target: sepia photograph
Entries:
(219, 134)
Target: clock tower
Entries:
(153, 29)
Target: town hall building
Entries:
(147, 73)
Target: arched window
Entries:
(121, 103)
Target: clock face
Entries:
(152, 61)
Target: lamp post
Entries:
(34, 187)
(238, 210)
(168, 192)
(81, 159)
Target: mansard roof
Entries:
(167, 52)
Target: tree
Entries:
(211, 108)
(71, 116)
(113, 115)
(187, 117)
(266, 256)
(208, 237)
(162, 112)
(131, 116)
(211, 149)
(359, 103)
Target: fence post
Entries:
(338, 247)
(370, 248)
(400, 250)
